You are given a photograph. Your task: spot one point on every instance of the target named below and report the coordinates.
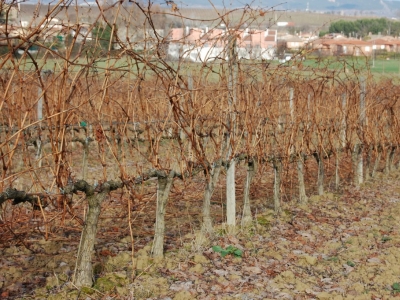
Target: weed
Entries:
(220, 232)
(396, 287)
(332, 258)
(263, 221)
(351, 263)
(228, 250)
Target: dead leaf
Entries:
(174, 7)
(233, 239)
(181, 286)
(221, 272)
(252, 270)
(374, 260)
(347, 268)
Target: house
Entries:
(334, 36)
(257, 44)
(388, 44)
(200, 45)
(292, 42)
(352, 47)
(307, 36)
(342, 46)
(196, 44)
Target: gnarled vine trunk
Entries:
(164, 184)
(368, 163)
(215, 170)
(83, 275)
(389, 159)
(377, 161)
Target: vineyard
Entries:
(146, 150)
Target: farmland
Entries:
(125, 171)
(377, 67)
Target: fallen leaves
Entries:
(252, 270)
(347, 247)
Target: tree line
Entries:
(363, 27)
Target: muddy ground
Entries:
(339, 246)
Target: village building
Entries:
(204, 44)
(342, 46)
(196, 44)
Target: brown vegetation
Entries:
(155, 130)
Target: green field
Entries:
(75, 65)
(124, 64)
(351, 65)
(386, 66)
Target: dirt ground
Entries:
(338, 246)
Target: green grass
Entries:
(380, 66)
(386, 66)
(98, 66)
(338, 63)
(311, 66)
(346, 67)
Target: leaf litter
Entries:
(335, 247)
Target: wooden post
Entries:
(85, 145)
(281, 126)
(321, 172)
(230, 173)
(356, 158)
(190, 146)
(277, 164)
(337, 166)
(291, 105)
(343, 123)
(308, 111)
(39, 113)
(358, 149)
(391, 149)
(85, 158)
(246, 217)
(300, 174)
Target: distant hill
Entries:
(388, 7)
(356, 5)
(379, 7)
